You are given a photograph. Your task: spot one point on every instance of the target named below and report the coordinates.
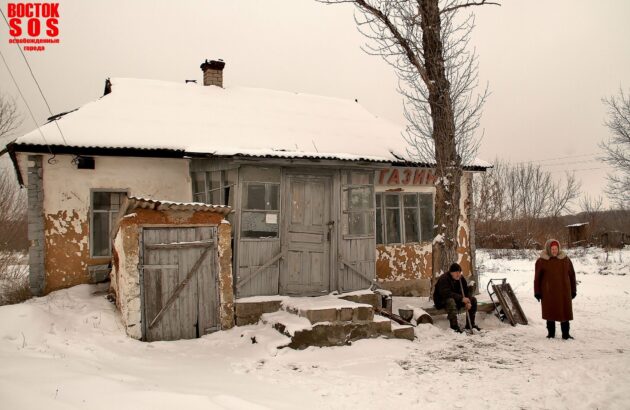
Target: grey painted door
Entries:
(306, 239)
(180, 299)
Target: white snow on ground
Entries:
(68, 350)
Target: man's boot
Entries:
(565, 330)
(551, 329)
(455, 325)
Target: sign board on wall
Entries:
(405, 176)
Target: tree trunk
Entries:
(448, 163)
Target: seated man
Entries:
(448, 295)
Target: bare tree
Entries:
(9, 118)
(592, 207)
(13, 281)
(427, 47)
(513, 200)
(617, 148)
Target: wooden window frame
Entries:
(401, 207)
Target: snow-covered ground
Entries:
(68, 350)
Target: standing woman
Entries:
(554, 287)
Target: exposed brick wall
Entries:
(36, 253)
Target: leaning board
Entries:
(509, 303)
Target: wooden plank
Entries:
(356, 271)
(170, 279)
(152, 285)
(207, 287)
(270, 262)
(186, 303)
(176, 245)
(180, 287)
(150, 267)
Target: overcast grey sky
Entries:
(548, 63)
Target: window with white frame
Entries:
(358, 203)
(105, 206)
(404, 217)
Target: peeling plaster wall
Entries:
(126, 277)
(406, 269)
(226, 290)
(67, 204)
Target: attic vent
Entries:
(85, 163)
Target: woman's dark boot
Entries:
(565, 330)
(551, 329)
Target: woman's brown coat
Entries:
(555, 283)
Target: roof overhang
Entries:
(172, 153)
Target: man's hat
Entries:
(455, 268)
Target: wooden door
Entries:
(179, 282)
(306, 236)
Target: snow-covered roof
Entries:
(151, 114)
(577, 224)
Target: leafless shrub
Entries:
(14, 286)
(519, 206)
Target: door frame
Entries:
(331, 175)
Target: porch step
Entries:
(328, 308)
(354, 307)
(248, 311)
(303, 333)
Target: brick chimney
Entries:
(213, 72)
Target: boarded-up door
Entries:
(306, 237)
(180, 292)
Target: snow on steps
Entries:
(331, 320)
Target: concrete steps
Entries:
(321, 321)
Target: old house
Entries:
(323, 198)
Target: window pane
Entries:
(259, 224)
(391, 200)
(360, 223)
(379, 227)
(214, 187)
(254, 196)
(100, 234)
(116, 200)
(410, 200)
(378, 200)
(230, 179)
(101, 201)
(360, 198)
(199, 186)
(411, 225)
(392, 220)
(426, 217)
(273, 192)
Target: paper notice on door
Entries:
(271, 218)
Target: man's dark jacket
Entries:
(446, 287)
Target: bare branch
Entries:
(616, 150)
(481, 3)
